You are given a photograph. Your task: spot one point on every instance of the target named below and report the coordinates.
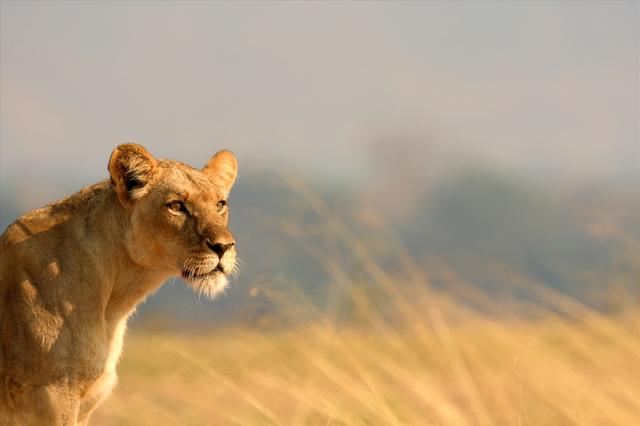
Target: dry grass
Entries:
(433, 360)
(547, 371)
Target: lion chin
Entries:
(209, 284)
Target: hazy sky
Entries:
(544, 86)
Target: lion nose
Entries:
(219, 248)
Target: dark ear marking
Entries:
(132, 182)
(132, 169)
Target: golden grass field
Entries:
(429, 357)
(554, 371)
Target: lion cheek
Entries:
(144, 251)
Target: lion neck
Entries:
(126, 282)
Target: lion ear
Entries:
(222, 169)
(131, 168)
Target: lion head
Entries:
(177, 215)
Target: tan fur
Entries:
(72, 273)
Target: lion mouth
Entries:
(194, 275)
(210, 283)
(208, 276)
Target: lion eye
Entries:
(221, 205)
(176, 206)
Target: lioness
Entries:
(72, 273)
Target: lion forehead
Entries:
(187, 182)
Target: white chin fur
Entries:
(209, 285)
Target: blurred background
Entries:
(437, 209)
